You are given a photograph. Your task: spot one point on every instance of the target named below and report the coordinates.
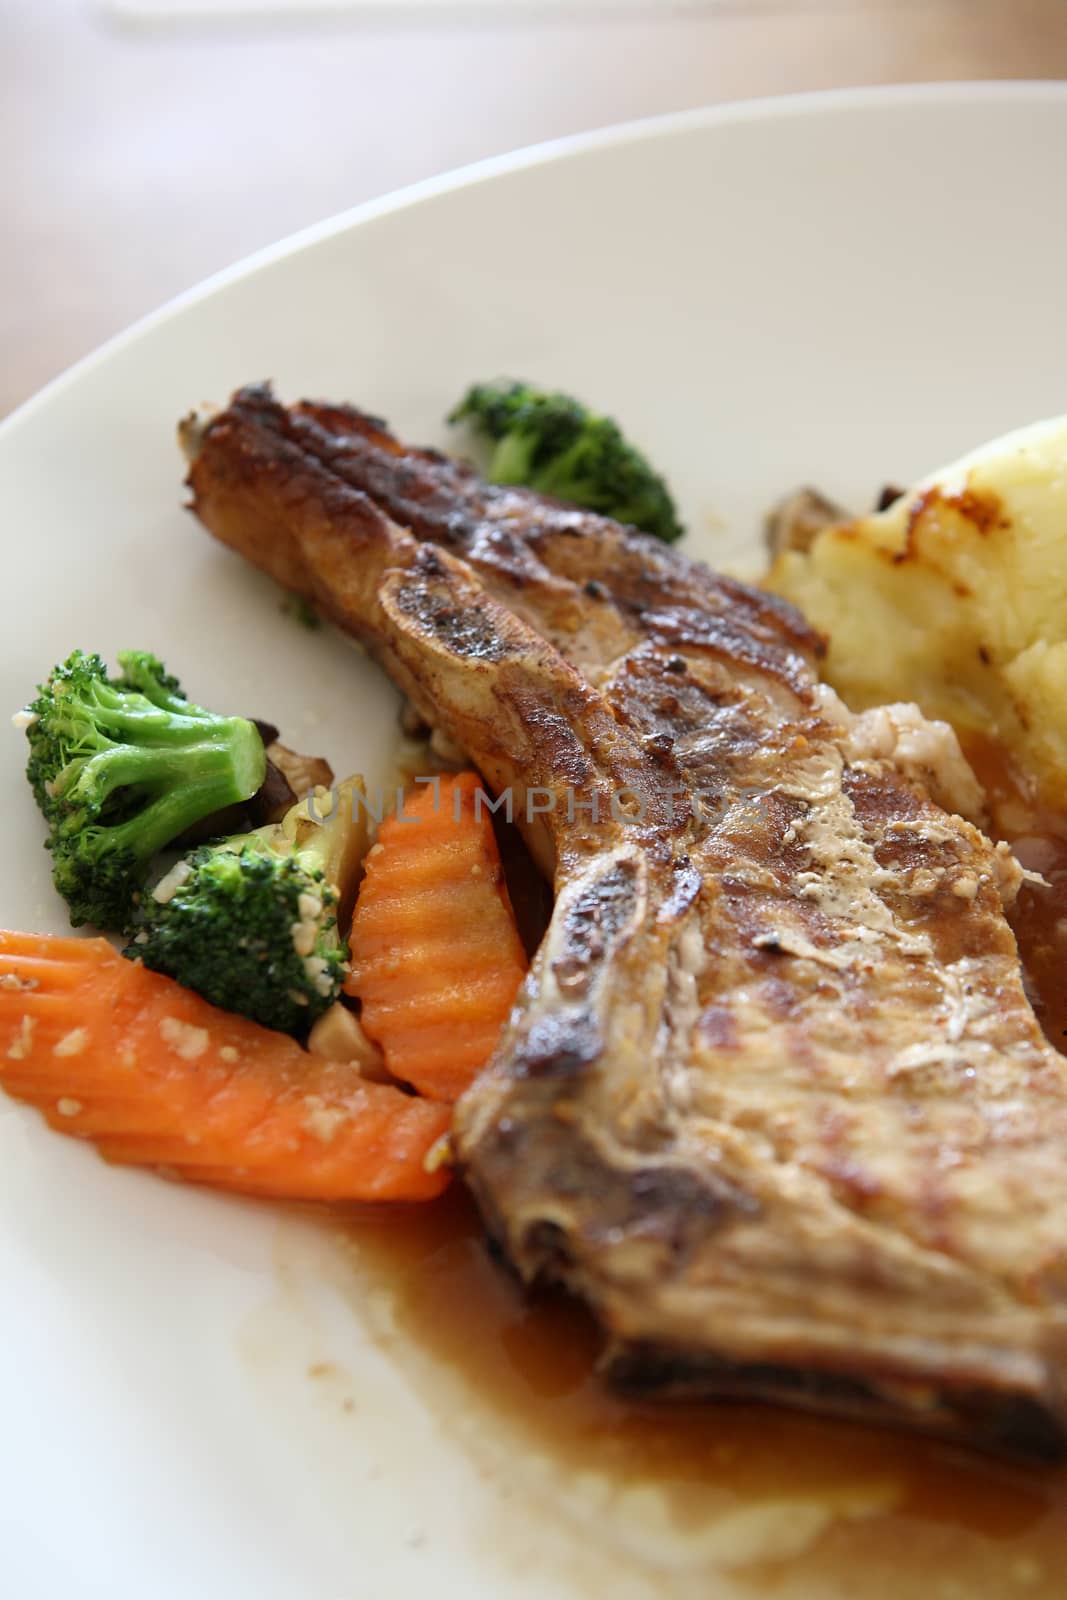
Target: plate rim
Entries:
(546, 152)
(700, 137)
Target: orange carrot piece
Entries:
(155, 1076)
(436, 956)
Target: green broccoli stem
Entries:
(566, 477)
(235, 768)
(219, 783)
(512, 460)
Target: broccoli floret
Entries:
(251, 922)
(120, 767)
(554, 444)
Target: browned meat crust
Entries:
(773, 1100)
(586, 584)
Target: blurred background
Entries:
(147, 143)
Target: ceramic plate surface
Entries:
(845, 290)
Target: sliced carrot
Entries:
(436, 956)
(155, 1076)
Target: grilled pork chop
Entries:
(772, 1100)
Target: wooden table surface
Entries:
(136, 161)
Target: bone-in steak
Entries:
(773, 1100)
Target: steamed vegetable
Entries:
(436, 956)
(251, 922)
(554, 444)
(155, 1076)
(120, 767)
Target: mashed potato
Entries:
(956, 597)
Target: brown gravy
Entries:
(1039, 922)
(994, 1528)
(939, 1519)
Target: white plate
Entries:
(845, 289)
